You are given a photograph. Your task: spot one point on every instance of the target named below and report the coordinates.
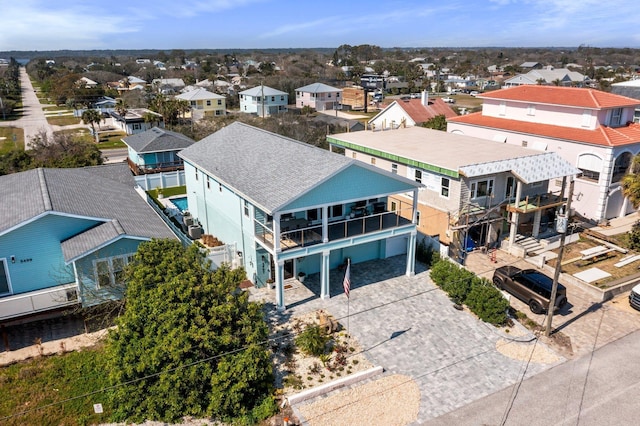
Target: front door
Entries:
(288, 269)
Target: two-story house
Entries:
(318, 96)
(591, 129)
(137, 120)
(410, 112)
(204, 103)
(263, 101)
(66, 236)
(155, 151)
(290, 207)
(476, 191)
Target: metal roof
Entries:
(453, 154)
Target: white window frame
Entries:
(616, 117)
(110, 269)
(417, 175)
(444, 187)
(473, 188)
(4, 266)
(246, 208)
(394, 168)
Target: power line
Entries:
(213, 357)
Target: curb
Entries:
(326, 388)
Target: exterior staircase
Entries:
(530, 244)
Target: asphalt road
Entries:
(33, 120)
(114, 155)
(601, 388)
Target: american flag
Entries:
(347, 279)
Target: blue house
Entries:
(155, 151)
(290, 207)
(66, 236)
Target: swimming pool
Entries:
(180, 203)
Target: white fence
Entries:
(38, 301)
(161, 180)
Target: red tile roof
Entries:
(419, 113)
(554, 95)
(602, 135)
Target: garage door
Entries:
(396, 246)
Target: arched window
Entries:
(621, 166)
(591, 166)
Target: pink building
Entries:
(318, 96)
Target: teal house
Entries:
(66, 235)
(155, 150)
(291, 208)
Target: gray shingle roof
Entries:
(199, 95)
(318, 88)
(262, 91)
(84, 192)
(157, 140)
(266, 168)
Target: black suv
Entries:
(530, 286)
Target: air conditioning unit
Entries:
(195, 232)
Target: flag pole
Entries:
(347, 288)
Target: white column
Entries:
(325, 292)
(411, 254)
(280, 285)
(325, 224)
(536, 223)
(515, 216)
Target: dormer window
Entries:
(616, 117)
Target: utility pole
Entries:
(562, 228)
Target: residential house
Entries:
(137, 120)
(66, 236)
(470, 184)
(155, 151)
(204, 103)
(630, 89)
(318, 96)
(87, 83)
(410, 112)
(263, 101)
(591, 129)
(548, 76)
(291, 207)
(168, 86)
(338, 123)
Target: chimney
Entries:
(425, 98)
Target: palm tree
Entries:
(631, 183)
(121, 107)
(92, 117)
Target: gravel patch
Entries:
(372, 400)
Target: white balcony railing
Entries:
(38, 301)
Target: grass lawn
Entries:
(82, 134)
(7, 143)
(169, 192)
(48, 390)
(55, 108)
(64, 120)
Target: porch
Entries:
(297, 234)
(38, 301)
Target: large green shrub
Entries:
(442, 272)
(634, 236)
(487, 302)
(312, 341)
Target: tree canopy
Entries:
(189, 342)
(631, 183)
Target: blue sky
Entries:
(248, 24)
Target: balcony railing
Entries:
(38, 301)
(169, 166)
(312, 235)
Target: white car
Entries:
(449, 100)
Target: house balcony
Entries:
(144, 169)
(531, 204)
(38, 301)
(299, 234)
